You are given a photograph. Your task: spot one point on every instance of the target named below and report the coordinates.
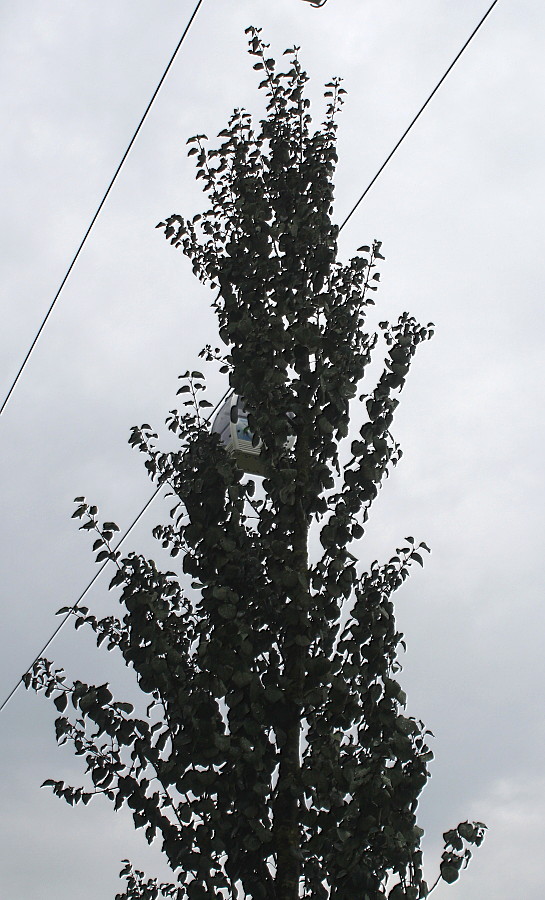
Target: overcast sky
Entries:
(460, 214)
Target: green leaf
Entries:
(449, 873)
(302, 640)
(61, 702)
(227, 610)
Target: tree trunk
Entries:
(286, 816)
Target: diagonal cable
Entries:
(97, 213)
(95, 577)
(419, 113)
(78, 601)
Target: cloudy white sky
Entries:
(459, 211)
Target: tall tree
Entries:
(276, 760)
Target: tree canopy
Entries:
(276, 760)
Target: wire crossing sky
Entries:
(97, 574)
(127, 151)
(419, 113)
(97, 213)
(140, 514)
(80, 598)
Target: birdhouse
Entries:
(231, 424)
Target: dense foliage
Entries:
(276, 760)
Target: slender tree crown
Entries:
(276, 760)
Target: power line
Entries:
(366, 191)
(97, 213)
(436, 88)
(127, 151)
(419, 113)
(78, 601)
(95, 577)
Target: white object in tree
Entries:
(231, 425)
